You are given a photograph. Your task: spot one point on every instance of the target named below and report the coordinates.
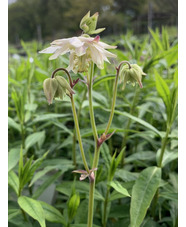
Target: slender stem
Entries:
(105, 207)
(128, 126)
(91, 204)
(75, 118)
(97, 148)
(74, 148)
(114, 95)
(92, 119)
(62, 69)
(113, 104)
(164, 143)
(78, 134)
(74, 134)
(23, 135)
(92, 188)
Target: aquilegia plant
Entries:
(85, 52)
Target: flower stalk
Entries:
(92, 119)
(85, 51)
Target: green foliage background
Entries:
(42, 169)
(135, 185)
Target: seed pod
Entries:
(64, 84)
(50, 86)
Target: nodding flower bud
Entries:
(56, 87)
(131, 74)
(88, 24)
(64, 84)
(50, 86)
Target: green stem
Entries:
(164, 143)
(113, 104)
(114, 95)
(97, 148)
(91, 204)
(74, 148)
(92, 188)
(92, 119)
(74, 134)
(105, 207)
(125, 136)
(23, 135)
(78, 134)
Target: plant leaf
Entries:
(142, 122)
(13, 181)
(52, 214)
(34, 138)
(13, 124)
(13, 158)
(46, 184)
(164, 92)
(80, 186)
(167, 157)
(142, 194)
(33, 208)
(119, 188)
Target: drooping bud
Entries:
(64, 84)
(131, 74)
(88, 24)
(50, 86)
(60, 92)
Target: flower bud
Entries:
(131, 74)
(88, 24)
(60, 92)
(50, 86)
(64, 84)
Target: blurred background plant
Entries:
(46, 20)
(42, 145)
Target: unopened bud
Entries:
(64, 84)
(88, 24)
(131, 74)
(60, 93)
(50, 86)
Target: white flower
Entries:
(82, 51)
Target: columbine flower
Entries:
(82, 50)
(131, 74)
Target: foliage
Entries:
(136, 181)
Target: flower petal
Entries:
(50, 50)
